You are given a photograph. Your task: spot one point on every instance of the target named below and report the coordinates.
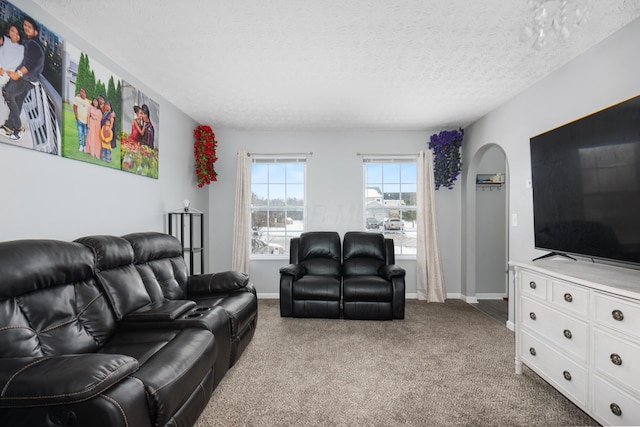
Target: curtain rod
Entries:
(388, 155)
(309, 153)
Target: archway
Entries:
(485, 227)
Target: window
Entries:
(277, 203)
(390, 186)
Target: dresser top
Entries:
(620, 280)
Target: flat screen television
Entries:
(586, 186)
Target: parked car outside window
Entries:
(372, 223)
(259, 246)
(393, 224)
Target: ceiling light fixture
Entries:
(560, 15)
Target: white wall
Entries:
(602, 76)
(46, 196)
(334, 194)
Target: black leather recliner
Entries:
(373, 285)
(310, 284)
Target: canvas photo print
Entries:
(91, 111)
(30, 82)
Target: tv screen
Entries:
(586, 185)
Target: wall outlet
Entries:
(514, 220)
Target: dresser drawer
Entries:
(569, 377)
(611, 406)
(533, 284)
(570, 298)
(618, 358)
(618, 313)
(566, 332)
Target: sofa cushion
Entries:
(148, 246)
(364, 253)
(319, 253)
(158, 258)
(117, 274)
(367, 289)
(49, 262)
(172, 364)
(52, 304)
(321, 288)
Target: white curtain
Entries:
(242, 220)
(429, 274)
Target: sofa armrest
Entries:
(160, 310)
(225, 281)
(391, 271)
(38, 381)
(295, 270)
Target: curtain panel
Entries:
(429, 275)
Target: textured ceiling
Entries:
(320, 64)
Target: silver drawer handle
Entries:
(567, 334)
(617, 315)
(532, 284)
(568, 297)
(615, 409)
(532, 351)
(532, 315)
(616, 359)
(567, 375)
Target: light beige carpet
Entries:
(444, 365)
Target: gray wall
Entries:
(334, 194)
(602, 76)
(46, 196)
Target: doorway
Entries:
(491, 232)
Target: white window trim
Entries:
(281, 158)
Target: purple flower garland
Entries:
(447, 162)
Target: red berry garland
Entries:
(205, 151)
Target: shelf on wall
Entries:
(490, 181)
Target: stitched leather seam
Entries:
(95, 385)
(19, 304)
(75, 318)
(6, 328)
(115, 402)
(35, 362)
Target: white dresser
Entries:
(577, 325)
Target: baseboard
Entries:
(510, 325)
(469, 300)
(498, 296)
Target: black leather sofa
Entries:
(84, 341)
(356, 280)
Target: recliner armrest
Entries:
(225, 281)
(390, 271)
(161, 310)
(295, 270)
(38, 381)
